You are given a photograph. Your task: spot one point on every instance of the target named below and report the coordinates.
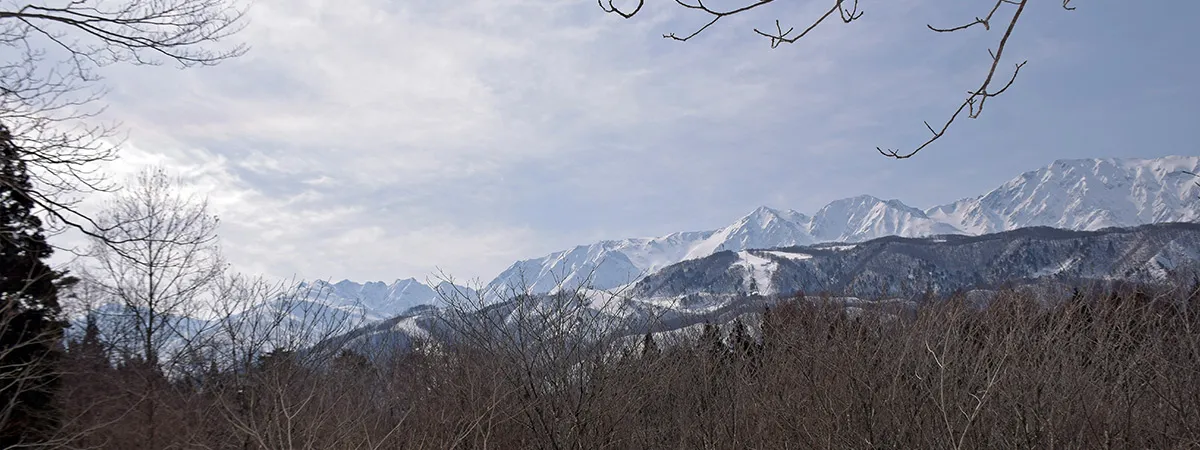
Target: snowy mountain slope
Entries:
(611, 264)
(377, 300)
(890, 272)
(865, 217)
(763, 227)
(906, 266)
(603, 265)
(1086, 194)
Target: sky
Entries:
(378, 140)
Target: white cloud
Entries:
(377, 139)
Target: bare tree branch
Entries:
(849, 11)
(50, 90)
(166, 256)
(610, 8)
(975, 100)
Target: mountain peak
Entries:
(864, 217)
(762, 215)
(377, 300)
(405, 281)
(345, 287)
(1083, 194)
(1069, 193)
(763, 210)
(867, 201)
(857, 199)
(765, 216)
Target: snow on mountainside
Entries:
(865, 217)
(1086, 194)
(886, 272)
(612, 264)
(1083, 194)
(603, 265)
(376, 299)
(1145, 254)
(764, 227)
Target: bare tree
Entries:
(1110, 368)
(268, 381)
(49, 83)
(155, 255)
(253, 317)
(1004, 13)
(554, 355)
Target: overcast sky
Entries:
(379, 139)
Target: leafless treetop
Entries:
(49, 90)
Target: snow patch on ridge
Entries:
(759, 270)
(1083, 194)
(1057, 268)
(789, 255)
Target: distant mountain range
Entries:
(1045, 262)
(896, 266)
(376, 300)
(379, 317)
(1084, 194)
(1081, 194)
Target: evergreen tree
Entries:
(649, 345)
(711, 342)
(741, 342)
(89, 351)
(90, 391)
(350, 362)
(30, 328)
(275, 359)
(767, 329)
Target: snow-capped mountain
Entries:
(865, 217)
(1085, 194)
(894, 266)
(378, 300)
(603, 265)
(858, 246)
(763, 227)
(887, 272)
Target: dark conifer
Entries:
(649, 345)
(711, 342)
(89, 351)
(30, 327)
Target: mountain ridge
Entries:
(1085, 194)
(1075, 194)
(1151, 253)
(1049, 264)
